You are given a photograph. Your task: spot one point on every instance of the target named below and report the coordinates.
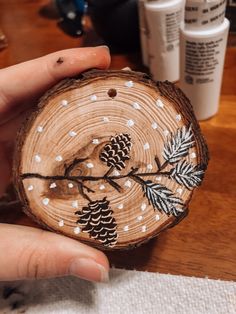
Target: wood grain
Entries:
(204, 243)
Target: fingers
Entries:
(30, 79)
(34, 253)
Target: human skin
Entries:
(30, 252)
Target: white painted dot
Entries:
(159, 103)
(37, 158)
(154, 125)
(128, 184)
(59, 158)
(77, 230)
(166, 132)
(146, 146)
(71, 15)
(178, 117)
(120, 206)
(64, 102)
(52, 185)
(193, 155)
(140, 218)
(89, 165)
(30, 187)
(157, 217)
(93, 98)
(105, 119)
(179, 191)
(129, 84)
(95, 141)
(45, 201)
(40, 129)
(143, 206)
(102, 187)
(136, 106)
(158, 179)
(70, 185)
(75, 204)
(116, 173)
(61, 223)
(130, 123)
(149, 167)
(72, 133)
(126, 228)
(144, 229)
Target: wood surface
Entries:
(202, 245)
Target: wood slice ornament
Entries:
(110, 158)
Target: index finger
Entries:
(30, 79)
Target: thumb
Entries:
(35, 253)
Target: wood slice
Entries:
(110, 158)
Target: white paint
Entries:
(166, 132)
(77, 230)
(193, 155)
(61, 223)
(157, 217)
(159, 103)
(52, 185)
(146, 146)
(116, 173)
(180, 191)
(154, 125)
(64, 102)
(75, 204)
(37, 158)
(140, 218)
(129, 84)
(95, 141)
(178, 117)
(72, 133)
(120, 206)
(30, 187)
(93, 98)
(128, 184)
(158, 179)
(149, 167)
(143, 206)
(70, 185)
(105, 119)
(102, 187)
(130, 123)
(40, 129)
(136, 106)
(89, 165)
(59, 158)
(45, 201)
(144, 229)
(126, 228)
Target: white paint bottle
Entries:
(203, 40)
(163, 22)
(143, 31)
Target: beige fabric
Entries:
(128, 292)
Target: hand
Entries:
(29, 252)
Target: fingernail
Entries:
(105, 47)
(88, 269)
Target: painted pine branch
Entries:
(116, 152)
(187, 174)
(179, 144)
(162, 199)
(97, 219)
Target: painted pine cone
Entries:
(97, 219)
(117, 151)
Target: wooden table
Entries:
(204, 244)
